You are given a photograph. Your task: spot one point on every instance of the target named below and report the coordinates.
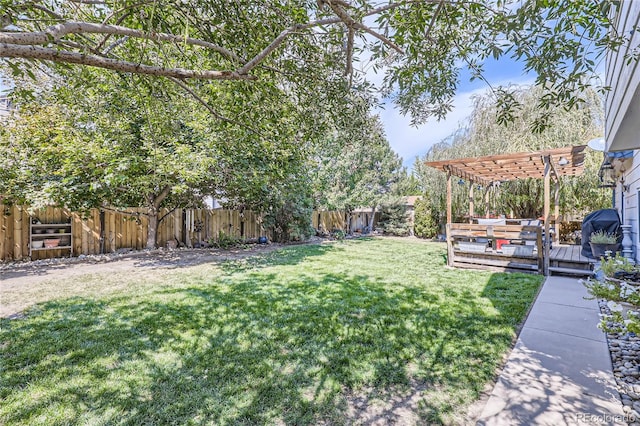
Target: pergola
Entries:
(487, 171)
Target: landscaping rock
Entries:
(625, 357)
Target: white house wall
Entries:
(627, 201)
(622, 112)
(622, 127)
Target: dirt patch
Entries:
(23, 284)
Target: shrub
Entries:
(338, 234)
(609, 266)
(291, 221)
(394, 219)
(225, 241)
(424, 224)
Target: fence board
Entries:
(130, 229)
(4, 229)
(138, 230)
(133, 232)
(76, 230)
(95, 230)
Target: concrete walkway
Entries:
(559, 372)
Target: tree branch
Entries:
(161, 197)
(213, 111)
(379, 36)
(298, 27)
(339, 10)
(349, 69)
(270, 48)
(47, 54)
(11, 42)
(433, 19)
(56, 32)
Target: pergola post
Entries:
(556, 210)
(547, 208)
(449, 219)
(471, 205)
(486, 201)
(449, 191)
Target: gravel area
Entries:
(625, 359)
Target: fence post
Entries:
(17, 233)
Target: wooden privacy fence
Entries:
(109, 230)
(328, 220)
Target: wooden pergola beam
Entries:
(505, 167)
(468, 175)
(471, 203)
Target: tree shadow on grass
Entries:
(314, 350)
(288, 255)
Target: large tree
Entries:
(86, 148)
(273, 76)
(484, 135)
(357, 167)
(422, 45)
(127, 140)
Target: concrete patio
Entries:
(559, 372)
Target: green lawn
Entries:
(318, 334)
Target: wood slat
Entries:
(505, 167)
(125, 228)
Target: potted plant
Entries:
(602, 241)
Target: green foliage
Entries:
(603, 237)
(618, 284)
(612, 264)
(289, 217)
(225, 241)
(425, 225)
(559, 41)
(357, 167)
(621, 318)
(123, 140)
(394, 218)
(338, 234)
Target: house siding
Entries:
(622, 125)
(627, 202)
(622, 122)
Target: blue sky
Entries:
(410, 142)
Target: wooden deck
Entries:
(567, 259)
(511, 248)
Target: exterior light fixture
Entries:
(607, 175)
(461, 182)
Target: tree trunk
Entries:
(154, 202)
(371, 219)
(152, 229)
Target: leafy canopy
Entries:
(420, 45)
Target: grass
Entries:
(306, 335)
